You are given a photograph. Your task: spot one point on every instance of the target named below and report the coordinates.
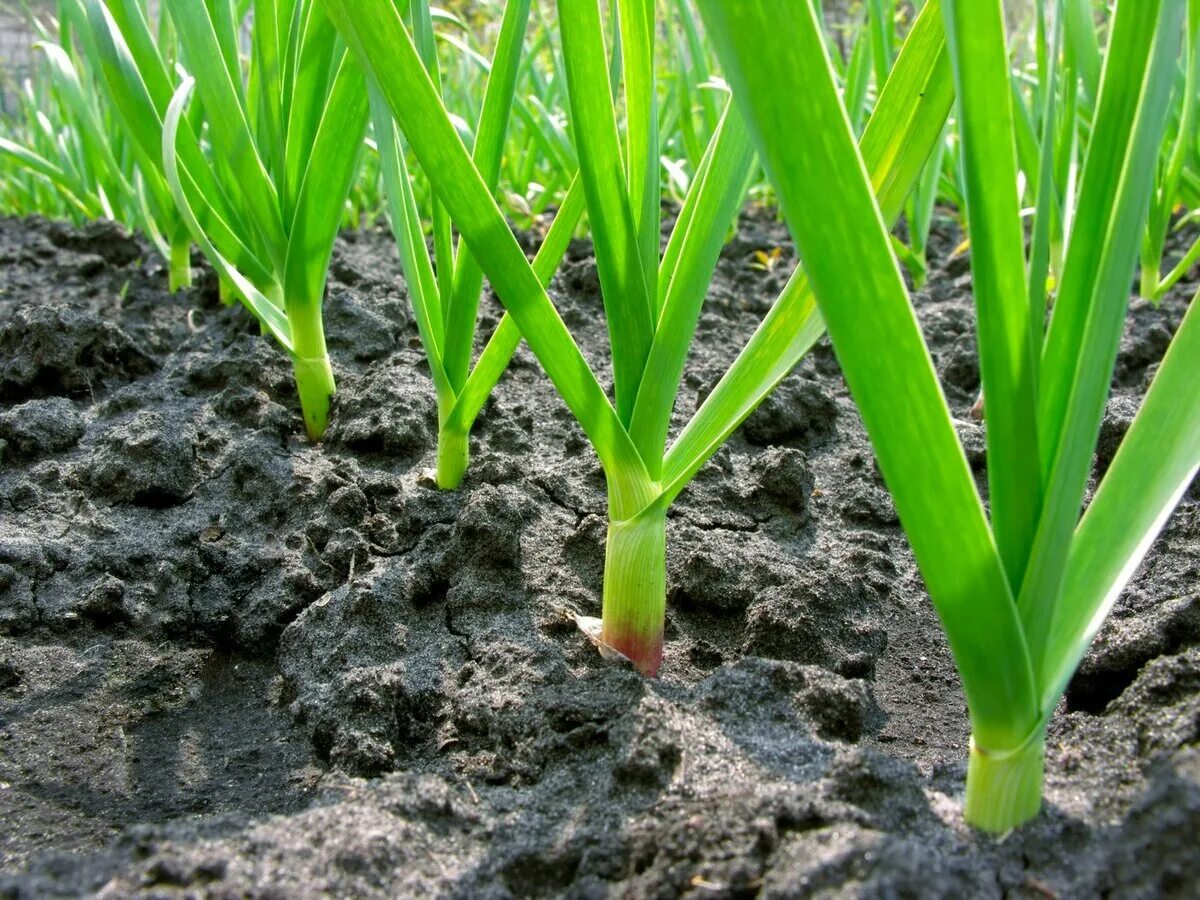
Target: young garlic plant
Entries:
(652, 303)
(262, 185)
(1020, 596)
(445, 290)
(76, 155)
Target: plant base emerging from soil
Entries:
(316, 386)
(180, 262)
(635, 588)
(453, 457)
(1004, 788)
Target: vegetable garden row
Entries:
(1066, 139)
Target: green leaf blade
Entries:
(1085, 329)
(332, 165)
(1009, 329)
(692, 253)
(776, 60)
(619, 259)
(1153, 467)
(903, 131)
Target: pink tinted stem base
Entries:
(635, 589)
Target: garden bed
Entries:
(236, 663)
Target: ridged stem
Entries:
(179, 266)
(635, 588)
(316, 386)
(1004, 788)
(310, 359)
(226, 292)
(453, 455)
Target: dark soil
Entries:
(233, 664)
